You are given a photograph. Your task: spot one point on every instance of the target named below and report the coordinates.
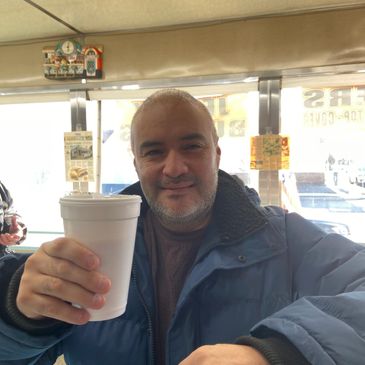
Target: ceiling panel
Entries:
(21, 20)
(112, 15)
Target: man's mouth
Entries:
(177, 187)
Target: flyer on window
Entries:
(79, 158)
(269, 152)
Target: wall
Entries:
(266, 44)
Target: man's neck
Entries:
(185, 227)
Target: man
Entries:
(12, 230)
(216, 279)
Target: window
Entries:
(325, 118)
(32, 164)
(236, 119)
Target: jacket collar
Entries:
(236, 207)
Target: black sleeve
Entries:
(5, 195)
(276, 349)
(7, 202)
(9, 285)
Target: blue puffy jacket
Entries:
(258, 269)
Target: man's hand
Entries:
(225, 354)
(9, 239)
(14, 235)
(59, 273)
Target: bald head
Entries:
(176, 156)
(170, 97)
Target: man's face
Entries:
(177, 160)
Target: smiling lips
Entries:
(178, 187)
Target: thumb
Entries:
(14, 224)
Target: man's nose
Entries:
(174, 164)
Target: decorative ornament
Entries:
(270, 152)
(70, 60)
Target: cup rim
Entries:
(99, 198)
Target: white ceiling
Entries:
(26, 21)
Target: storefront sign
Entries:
(79, 161)
(269, 152)
(334, 106)
(229, 114)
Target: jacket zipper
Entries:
(148, 314)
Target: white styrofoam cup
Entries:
(107, 225)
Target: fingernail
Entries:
(82, 317)
(104, 283)
(98, 299)
(92, 261)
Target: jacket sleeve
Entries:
(19, 347)
(326, 321)
(276, 349)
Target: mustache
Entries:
(172, 181)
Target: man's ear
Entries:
(135, 166)
(219, 152)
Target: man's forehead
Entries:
(172, 110)
(171, 118)
(167, 105)
(160, 140)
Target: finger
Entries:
(61, 289)
(8, 239)
(194, 358)
(2, 239)
(44, 306)
(17, 229)
(54, 274)
(40, 263)
(73, 251)
(42, 296)
(67, 271)
(14, 223)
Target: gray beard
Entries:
(192, 216)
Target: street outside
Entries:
(336, 205)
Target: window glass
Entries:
(326, 182)
(117, 169)
(236, 119)
(92, 125)
(32, 164)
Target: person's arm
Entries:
(225, 354)
(325, 325)
(14, 230)
(17, 345)
(36, 295)
(13, 316)
(248, 351)
(276, 349)
(327, 321)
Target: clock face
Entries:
(67, 47)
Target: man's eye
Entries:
(192, 146)
(152, 153)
